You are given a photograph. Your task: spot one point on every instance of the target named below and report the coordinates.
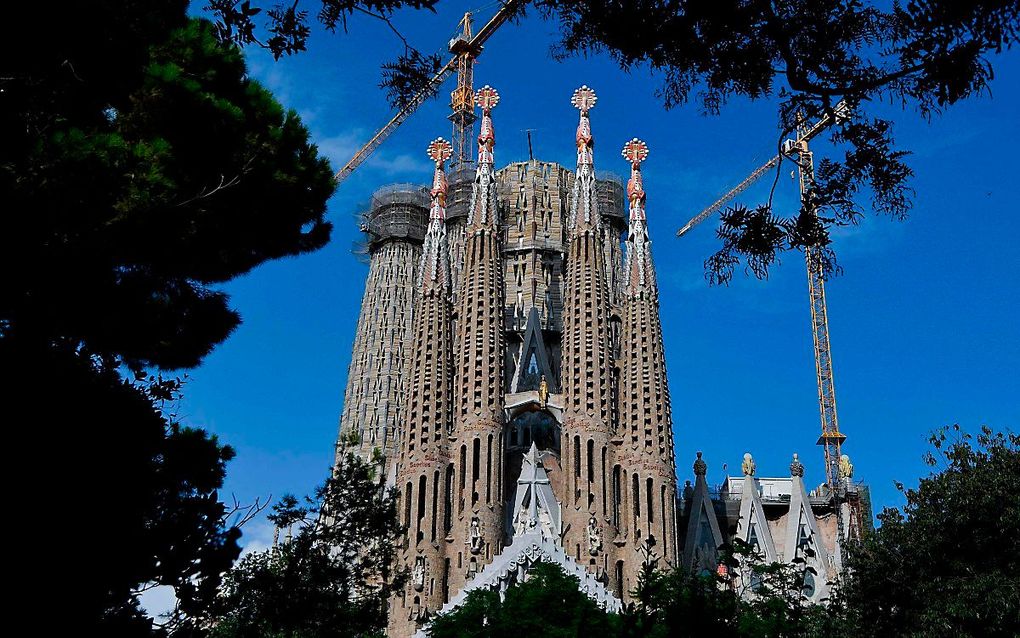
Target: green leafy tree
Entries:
(332, 575)
(765, 601)
(680, 603)
(549, 603)
(139, 174)
(946, 563)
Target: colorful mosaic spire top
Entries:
(584, 100)
(439, 151)
(635, 152)
(486, 98)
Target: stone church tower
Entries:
(518, 399)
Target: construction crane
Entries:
(803, 136)
(798, 150)
(465, 48)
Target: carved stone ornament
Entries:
(796, 467)
(700, 467)
(418, 574)
(475, 535)
(748, 465)
(594, 536)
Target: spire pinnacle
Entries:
(584, 204)
(435, 258)
(483, 195)
(635, 152)
(584, 100)
(439, 151)
(486, 98)
(638, 265)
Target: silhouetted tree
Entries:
(140, 167)
(130, 495)
(924, 55)
(331, 575)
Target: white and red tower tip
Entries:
(635, 151)
(584, 100)
(486, 98)
(439, 151)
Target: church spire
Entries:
(638, 266)
(584, 205)
(483, 198)
(646, 430)
(435, 267)
(587, 366)
(478, 423)
(424, 464)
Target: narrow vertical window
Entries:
(488, 471)
(616, 496)
(476, 446)
(448, 500)
(407, 505)
(422, 484)
(435, 504)
(636, 489)
(650, 509)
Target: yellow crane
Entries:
(798, 150)
(465, 48)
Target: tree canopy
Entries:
(923, 55)
(139, 173)
(332, 576)
(140, 167)
(946, 563)
(549, 603)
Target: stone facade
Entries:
(542, 358)
(394, 226)
(778, 517)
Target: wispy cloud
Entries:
(385, 164)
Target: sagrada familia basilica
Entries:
(509, 380)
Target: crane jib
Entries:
(427, 91)
(839, 113)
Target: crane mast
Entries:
(831, 439)
(465, 48)
(462, 98)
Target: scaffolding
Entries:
(612, 195)
(396, 211)
(458, 198)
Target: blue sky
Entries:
(923, 321)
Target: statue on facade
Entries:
(543, 391)
(748, 465)
(475, 535)
(594, 536)
(418, 574)
(846, 468)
